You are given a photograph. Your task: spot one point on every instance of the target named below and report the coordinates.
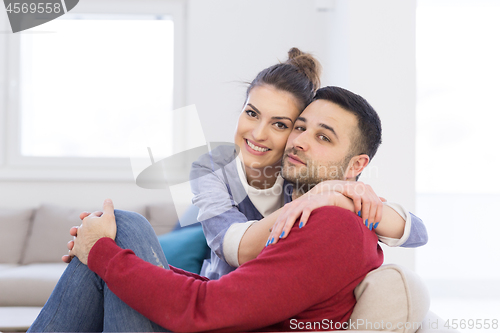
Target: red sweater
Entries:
(307, 278)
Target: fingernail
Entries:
(366, 222)
(371, 226)
(272, 240)
(301, 224)
(376, 225)
(359, 213)
(267, 242)
(282, 234)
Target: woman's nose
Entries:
(260, 133)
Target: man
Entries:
(304, 279)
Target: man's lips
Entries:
(294, 159)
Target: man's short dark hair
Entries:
(369, 126)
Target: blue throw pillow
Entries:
(185, 248)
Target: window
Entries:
(90, 77)
(458, 186)
(81, 84)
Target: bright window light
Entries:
(458, 111)
(87, 81)
(458, 184)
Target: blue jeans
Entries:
(82, 302)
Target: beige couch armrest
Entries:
(390, 298)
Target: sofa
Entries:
(32, 242)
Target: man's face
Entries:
(318, 148)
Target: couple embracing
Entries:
(292, 231)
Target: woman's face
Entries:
(264, 125)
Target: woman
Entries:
(235, 188)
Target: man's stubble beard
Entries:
(303, 178)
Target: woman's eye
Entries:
(280, 125)
(300, 128)
(324, 138)
(251, 113)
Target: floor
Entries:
(468, 312)
(15, 319)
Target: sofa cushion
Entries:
(4, 267)
(189, 219)
(390, 298)
(163, 216)
(50, 233)
(17, 318)
(185, 248)
(14, 226)
(29, 285)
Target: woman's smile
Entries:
(255, 148)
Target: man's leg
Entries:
(81, 301)
(134, 232)
(76, 303)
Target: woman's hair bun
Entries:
(299, 75)
(307, 64)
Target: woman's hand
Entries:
(367, 204)
(354, 196)
(303, 207)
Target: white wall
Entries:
(372, 49)
(365, 46)
(231, 41)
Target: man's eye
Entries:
(300, 128)
(251, 113)
(280, 125)
(324, 138)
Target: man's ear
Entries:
(357, 164)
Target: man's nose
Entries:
(301, 141)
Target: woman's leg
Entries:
(81, 301)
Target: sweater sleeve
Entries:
(415, 233)
(186, 273)
(285, 280)
(218, 207)
(232, 241)
(418, 233)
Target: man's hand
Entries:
(94, 227)
(73, 232)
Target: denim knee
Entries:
(131, 224)
(134, 232)
(126, 218)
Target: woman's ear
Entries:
(357, 164)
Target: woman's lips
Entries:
(256, 144)
(252, 150)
